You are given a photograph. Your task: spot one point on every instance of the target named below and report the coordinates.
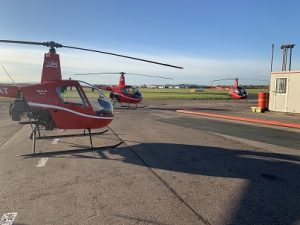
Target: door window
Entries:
(281, 84)
(70, 95)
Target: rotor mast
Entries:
(51, 67)
(122, 80)
(236, 83)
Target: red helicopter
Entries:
(235, 92)
(123, 93)
(49, 103)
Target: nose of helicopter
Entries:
(106, 107)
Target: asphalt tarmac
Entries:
(268, 135)
(167, 168)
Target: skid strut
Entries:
(91, 141)
(36, 134)
(35, 129)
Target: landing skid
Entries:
(55, 153)
(130, 106)
(36, 135)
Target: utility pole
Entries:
(285, 49)
(272, 57)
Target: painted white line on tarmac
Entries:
(42, 162)
(55, 141)
(8, 218)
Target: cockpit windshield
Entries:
(100, 103)
(242, 91)
(131, 90)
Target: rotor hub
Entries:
(52, 44)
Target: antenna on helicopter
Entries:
(8, 75)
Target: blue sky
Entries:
(210, 39)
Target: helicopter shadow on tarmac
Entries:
(272, 194)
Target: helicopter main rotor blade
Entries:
(239, 79)
(83, 74)
(256, 79)
(53, 44)
(144, 75)
(130, 74)
(224, 79)
(123, 56)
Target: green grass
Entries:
(176, 94)
(161, 94)
(255, 91)
(180, 94)
(188, 94)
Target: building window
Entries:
(281, 85)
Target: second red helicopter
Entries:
(122, 92)
(236, 91)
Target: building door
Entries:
(280, 94)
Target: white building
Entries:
(284, 95)
(285, 91)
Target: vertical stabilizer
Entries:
(51, 68)
(236, 83)
(122, 80)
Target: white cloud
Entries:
(25, 65)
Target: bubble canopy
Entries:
(100, 103)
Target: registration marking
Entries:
(8, 218)
(55, 141)
(42, 162)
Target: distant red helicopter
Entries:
(123, 93)
(58, 103)
(235, 92)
